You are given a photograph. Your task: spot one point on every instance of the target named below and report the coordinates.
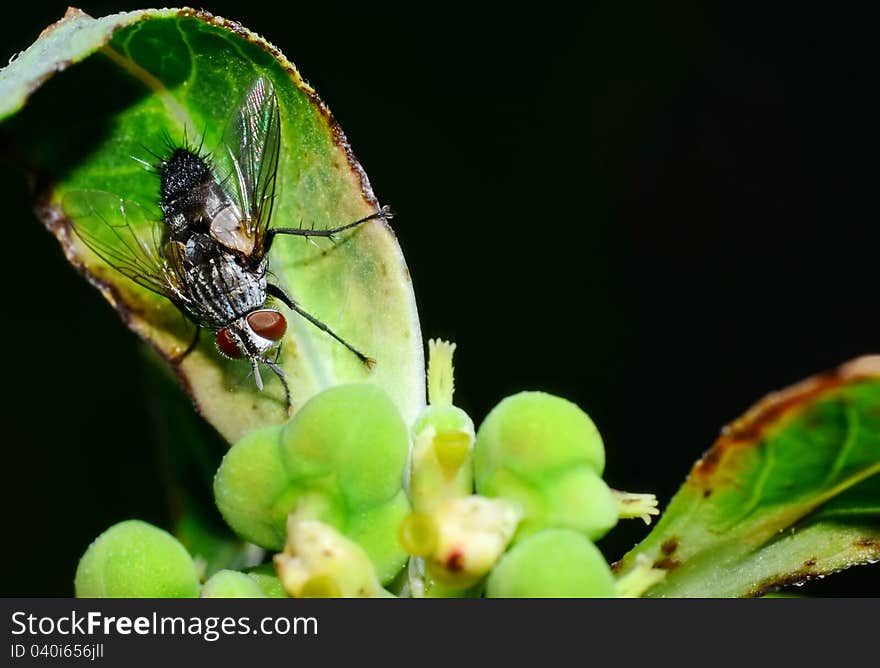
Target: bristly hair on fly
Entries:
(168, 146)
(209, 252)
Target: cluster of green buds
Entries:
(332, 476)
(353, 503)
(325, 489)
(513, 509)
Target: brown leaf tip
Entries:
(861, 367)
(769, 411)
(69, 15)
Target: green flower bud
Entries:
(554, 563)
(232, 584)
(253, 491)
(349, 438)
(134, 559)
(532, 433)
(545, 453)
(340, 460)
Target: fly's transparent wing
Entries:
(253, 141)
(125, 236)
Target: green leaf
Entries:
(130, 81)
(788, 492)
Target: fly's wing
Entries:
(253, 141)
(125, 236)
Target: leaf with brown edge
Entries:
(788, 492)
(91, 94)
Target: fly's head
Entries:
(252, 335)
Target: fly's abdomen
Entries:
(221, 290)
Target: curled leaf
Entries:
(788, 492)
(137, 80)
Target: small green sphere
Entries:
(351, 437)
(134, 559)
(232, 584)
(555, 563)
(533, 432)
(253, 491)
(546, 454)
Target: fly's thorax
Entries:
(181, 173)
(252, 335)
(185, 178)
(198, 249)
(196, 209)
(193, 201)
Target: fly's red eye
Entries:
(227, 344)
(268, 324)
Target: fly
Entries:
(209, 253)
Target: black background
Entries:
(660, 213)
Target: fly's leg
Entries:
(258, 379)
(277, 354)
(177, 359)
(283, 379)
(384, 213)
(277, 292)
